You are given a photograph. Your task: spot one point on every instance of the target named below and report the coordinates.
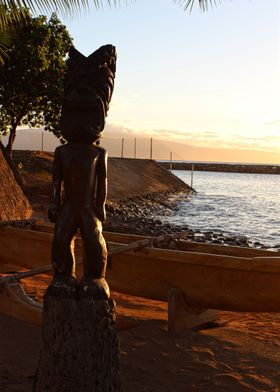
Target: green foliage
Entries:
(31, 80)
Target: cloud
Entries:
(272, 123)
(125, 103)
(209, 139)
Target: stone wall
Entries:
(128, 178)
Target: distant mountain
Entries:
(161, 149)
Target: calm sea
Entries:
(235, 203)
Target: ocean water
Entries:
(234, 203)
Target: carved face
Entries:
(89, 84)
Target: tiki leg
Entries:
(63, 260)
(95, 258)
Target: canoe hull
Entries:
(203, 285)
(207, 280)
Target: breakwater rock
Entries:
(223, 167)
(140, 216)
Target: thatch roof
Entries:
(13, 203)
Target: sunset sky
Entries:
(208, 80)
(203, 79)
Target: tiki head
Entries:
(88, 88)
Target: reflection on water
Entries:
(236, 203)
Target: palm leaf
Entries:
(203, 4)
(67, 7)
(6, 40)
(13, 12)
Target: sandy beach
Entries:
(241, 353)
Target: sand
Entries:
(241, 354)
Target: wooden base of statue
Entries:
(80, 350)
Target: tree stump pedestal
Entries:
(80, 350)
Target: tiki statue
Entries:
(79, 174)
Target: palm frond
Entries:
(13, 12)
(203, 4)
(6, 40)
(65, 7)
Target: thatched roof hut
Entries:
(13, 203)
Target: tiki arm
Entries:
(57, 183)
(101, 186)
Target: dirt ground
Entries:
(239, 353)
(242, 355)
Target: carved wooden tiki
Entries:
(79, 174)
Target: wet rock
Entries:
(257, 244)
(228, 238)
(140, 216)
(228, 242)
(217, 242)
(208, 235)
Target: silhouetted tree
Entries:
(31, 79)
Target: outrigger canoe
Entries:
(210, 276)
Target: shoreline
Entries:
(139, 216)
(140, 192)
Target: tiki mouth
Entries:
(80, 105)
(93, 103)
(88, 106)
(81, 101)
(82, 121)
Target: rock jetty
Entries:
(223, 167)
